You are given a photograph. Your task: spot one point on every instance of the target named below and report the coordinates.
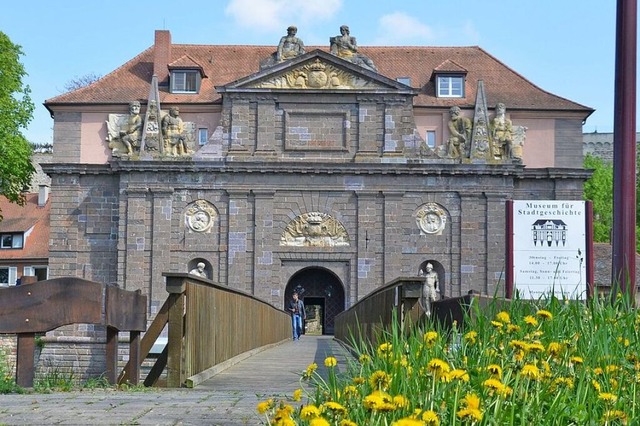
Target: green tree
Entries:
(16, 111)
(599, 189)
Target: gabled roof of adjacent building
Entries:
(31, 219)
(223, 64)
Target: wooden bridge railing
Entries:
(208, 325)
(370, 316)
(46, 305)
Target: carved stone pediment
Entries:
(315, 229)
(317, 70)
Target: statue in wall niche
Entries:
(430, 288)
(289, 47)
(345, 46)
(199, 270)
(314, 230)
(501, 134)
(124, 131)
(173, 133)
(459, 133)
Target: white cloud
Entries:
(269, 15)
(400, 28)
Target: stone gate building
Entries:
(328, 172)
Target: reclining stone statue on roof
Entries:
(289, 47)
(345, 46)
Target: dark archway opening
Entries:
(323, 297)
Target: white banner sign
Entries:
(549, 248)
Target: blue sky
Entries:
(566, 47)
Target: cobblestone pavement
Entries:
(229, 398)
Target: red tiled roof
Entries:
(226, 63)
(22, 219)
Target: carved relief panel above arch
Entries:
(315, 229)
(200, 216)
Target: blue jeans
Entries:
(296, 324)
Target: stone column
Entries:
(161, 243)
(370, 245)
(263, 246)
(393, 236)
(239, 237)
(370, 127)
(136, 269)
(64, 231)
(473, 243)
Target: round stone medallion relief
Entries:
(200, 216)
(431, 218)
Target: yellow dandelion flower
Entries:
(576, 360)
(495, 370)
(309, 412)
(611, 368)
(350, 391)
(535, 347)
(358, 380)
(531, 320)
(364, 359)
(430, 337)
(297, 394)
(497, 324)
(513, 328)
(607, 397)
(554, 349)
(310, 370)
(431, 418)
(518, 356)
(472, 408)
(385, 349)
(438, 366)
(598, 371)
(503, 317)
(471, 336)
(319, 421)
(459, 374)
(566, 382)
(530, 371)
(614, 383)
(334, 407)
(265, 406)
(595, 385)
(493, 384)
(612, 415)
(544, 314)
(400, 401)
(330, 361)
(379, 380)
(379, 401)
(518, 344)
(408, 421)
(345, 422)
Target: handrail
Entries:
(208, 324)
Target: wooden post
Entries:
(133, 371)
(174, 342)
(24, 355)
(112, 355)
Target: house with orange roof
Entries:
(24, 238)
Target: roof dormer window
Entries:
(11, 241)
(185, 81)
(450, 85)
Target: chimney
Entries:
(43, 195)
(162, 56)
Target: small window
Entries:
(184, 81)
(450, 86)
(8, 241)
(430, 138)
(8, 276)
(203, 136)
(404, 80)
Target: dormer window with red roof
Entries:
(450, 86)
(450, 78)
(184, 81)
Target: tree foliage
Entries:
(80, 82)
(16, 111)
(599, 189)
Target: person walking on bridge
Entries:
(296, 307)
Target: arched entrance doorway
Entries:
(322, 294)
